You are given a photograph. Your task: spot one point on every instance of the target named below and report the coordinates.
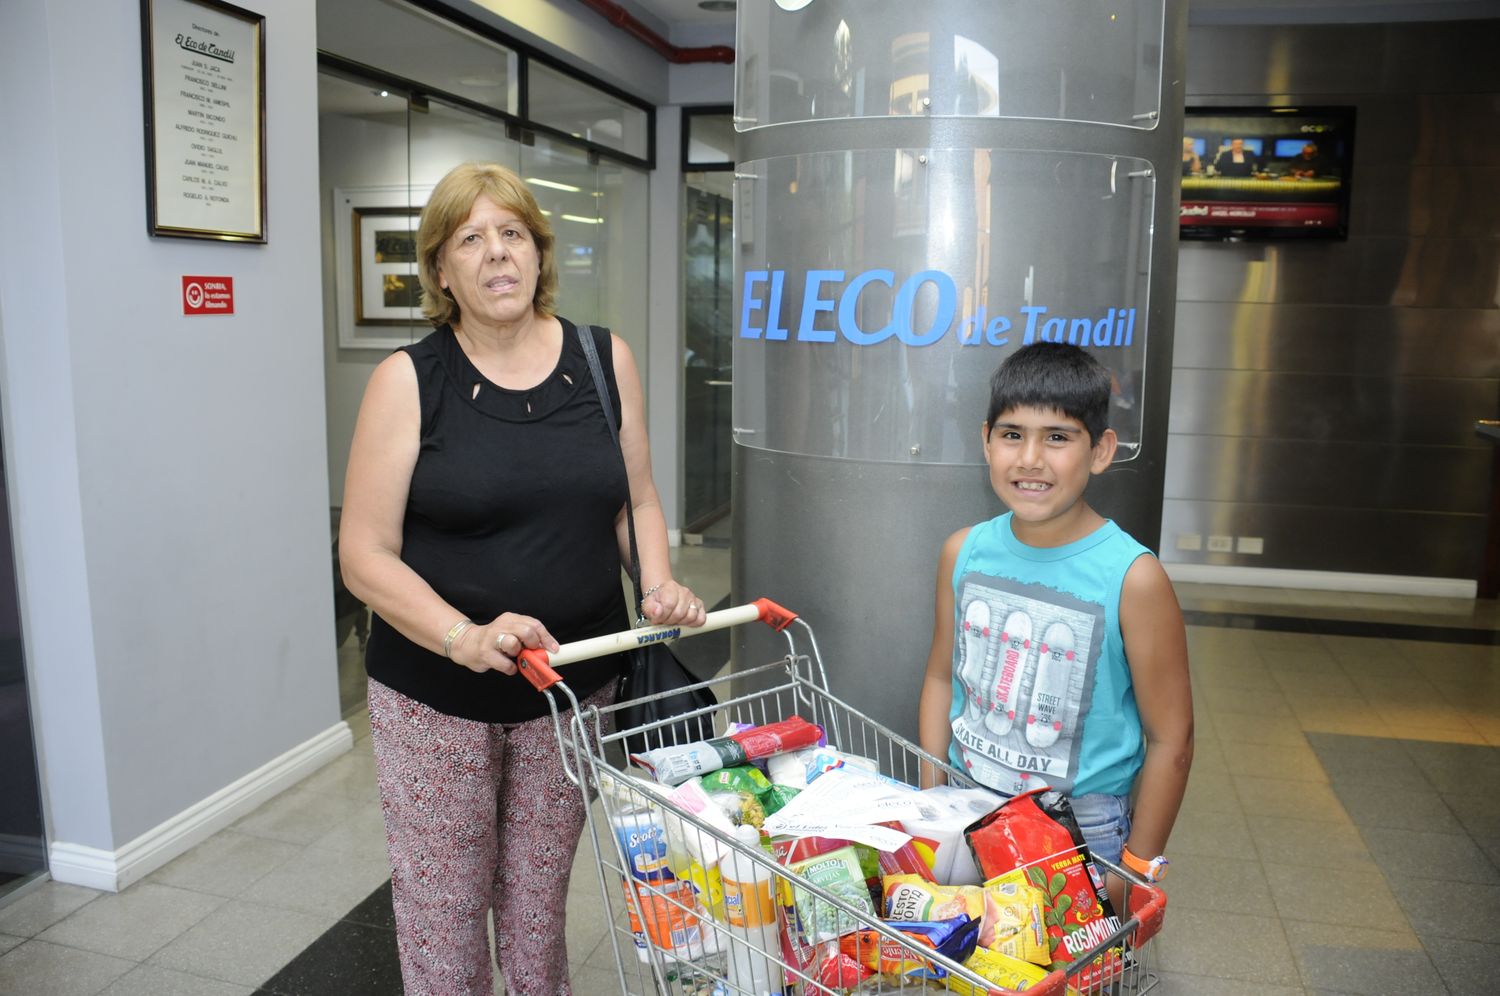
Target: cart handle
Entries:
(537, 665)
(1149, 912)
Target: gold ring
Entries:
(499, 640)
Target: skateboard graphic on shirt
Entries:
(976, 639)
(1026, 661)
(1055, 658)
(1015, 645)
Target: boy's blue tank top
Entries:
(1041, 688)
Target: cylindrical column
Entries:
(922, 188)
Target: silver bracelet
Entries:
(454, 633)
(650, 591)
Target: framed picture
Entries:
(379, 298)
(204, 67)
(386, 288)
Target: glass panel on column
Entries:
(708, 289)
(23, 839)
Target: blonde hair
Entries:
(449, 206)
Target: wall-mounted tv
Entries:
(1266, 172)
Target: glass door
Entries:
(23, 839)
(708, 282)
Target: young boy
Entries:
(1058, 641)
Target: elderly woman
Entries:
(484, 512)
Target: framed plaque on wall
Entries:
(205, 76)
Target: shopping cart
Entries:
(669, 928)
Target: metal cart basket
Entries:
(669, 928)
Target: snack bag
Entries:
(1043, 838)
(953, 939)
(832, 971)
(1002, 970)
(911, 897)
(1018, 918)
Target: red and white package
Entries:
(777, 738)
(1042, 838)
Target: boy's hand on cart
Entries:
(493, 647)
(673, 604)
(1115, 885)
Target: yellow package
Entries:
(709, 886)
(1001, 970)
(912, 897)
(1015, 919)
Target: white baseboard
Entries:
(112, 871)
(1275, 577)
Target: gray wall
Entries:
(1323, 394)
(166, 473)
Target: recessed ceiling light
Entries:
(583, 220)
(716, 6)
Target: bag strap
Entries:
(601, 386)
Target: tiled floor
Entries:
(1341, 833)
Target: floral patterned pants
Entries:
(478, 817)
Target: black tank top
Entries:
(512, 509)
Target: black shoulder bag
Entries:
(655, 687)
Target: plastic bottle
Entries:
(750, 908)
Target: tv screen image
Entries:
(1273, 172)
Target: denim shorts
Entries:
(1105, 822)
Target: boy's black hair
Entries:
(1053, 375)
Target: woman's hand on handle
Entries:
(673, 604)
(495, 646)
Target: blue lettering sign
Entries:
(749, 302)
(826, 292)
(812, 304)
(848, 326)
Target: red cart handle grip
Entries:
(535, 668)
(774, 615)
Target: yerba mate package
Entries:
(1037, 833)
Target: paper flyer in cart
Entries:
(845, 804)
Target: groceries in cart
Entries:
(1003, 887)
(794, 858)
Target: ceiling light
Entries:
(554, 185)
(581, 218)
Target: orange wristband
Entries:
(1152, 871)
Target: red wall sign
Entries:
(208, 295)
